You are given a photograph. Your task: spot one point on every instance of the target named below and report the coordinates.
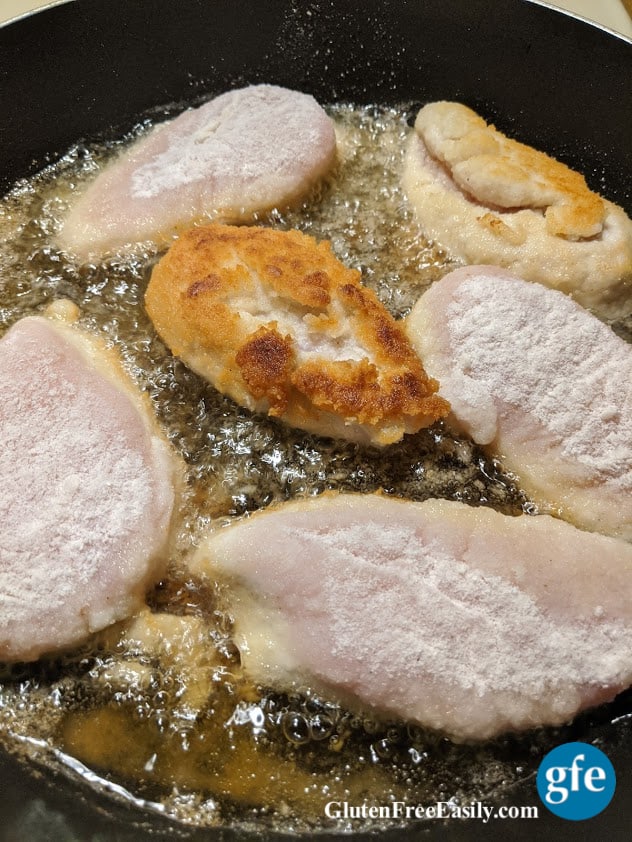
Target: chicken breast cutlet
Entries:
(274, 320)
(242, 153)
(88, 488)
(487, 198)
(538, 381)
(461, 619)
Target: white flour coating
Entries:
(564, 367)
(461, 619)
(74, 481)
(110, 483)
(482, 632)
(247, 134)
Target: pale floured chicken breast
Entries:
(244, 152)
(460, 619)
(88, 487)
(540, 382)
(489, 199)
(274, 320)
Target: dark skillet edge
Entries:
(403, 50)
(39, 805)
(407, 51)
(577, 16)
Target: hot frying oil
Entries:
(159, 704)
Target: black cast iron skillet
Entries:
(89, 68)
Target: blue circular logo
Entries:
(576, 781)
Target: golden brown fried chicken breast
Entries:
(274, 320)
(489, 199)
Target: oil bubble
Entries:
(295, 728)
(321, 727)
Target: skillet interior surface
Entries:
(89, 69)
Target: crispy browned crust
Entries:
(507, 173)
(231, 301)
(266, 360)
